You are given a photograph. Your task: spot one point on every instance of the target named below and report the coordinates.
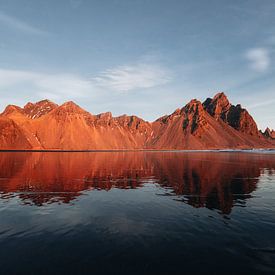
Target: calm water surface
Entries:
(137, 213)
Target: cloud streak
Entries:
(261, 104)
(259, 59)
(42, 85)
(19, 25)
(17, 85)
(132, 77)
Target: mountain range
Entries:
(212, 124)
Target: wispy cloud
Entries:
(43, 85)
(259, 59)
(17, 24)
(61, 86)
(262, 103)
(132, 77)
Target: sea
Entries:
(137, 212)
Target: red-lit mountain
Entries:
(213, 124)
(269, 133)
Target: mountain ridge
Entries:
(212, 124)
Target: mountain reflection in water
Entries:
(201, 179)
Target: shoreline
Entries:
(228, 150)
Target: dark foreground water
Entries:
(137, 213)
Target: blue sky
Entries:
(139, 56)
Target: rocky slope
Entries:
(269, 133)
(12, 136)
(235, 116)
(213, 124)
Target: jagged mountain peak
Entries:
(38, 109)
(220, 96)
(195, 117)
(11, 109)
(69, 103)
(269, 133)
(193, 105)
(40, 104)
(106, 115)
(213, 124)
(130, 120)
(70, 107)
(217, 106)
(237, 117)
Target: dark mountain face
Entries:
(235, 116)
(269, 133)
